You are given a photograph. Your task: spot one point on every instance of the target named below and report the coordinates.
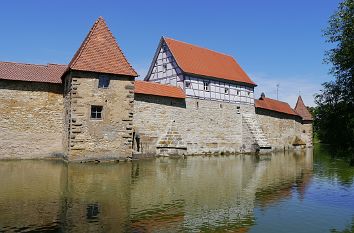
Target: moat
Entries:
(308, 191)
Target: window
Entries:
(103, 81)
(187, 84)
(96, 112)
(206, 86)
(226, 90)
(92, 211)
(164, 67)
(248, 93)
(238, 93)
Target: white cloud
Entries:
(289, 87)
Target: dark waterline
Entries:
(284, 192)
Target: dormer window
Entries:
(103, 81)
(206, 85)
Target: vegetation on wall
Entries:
(334, 114)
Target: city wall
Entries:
(31, 120)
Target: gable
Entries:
(204, 62)
(164, 68)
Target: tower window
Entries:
(206, 86)
(103, 81)
(96, 112)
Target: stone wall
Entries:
(31, 119)
(307, 133)
(108, 138)
(204, 125)
(280, 129)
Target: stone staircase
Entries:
(172, 142)
(256, 131)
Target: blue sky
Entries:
(275, 41)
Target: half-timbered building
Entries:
(200, 72)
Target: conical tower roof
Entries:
(99, 52)
(302, 110)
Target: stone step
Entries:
(256, 130)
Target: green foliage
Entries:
(334, 116)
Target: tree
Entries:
(334, 120)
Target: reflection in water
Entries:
(160, 195)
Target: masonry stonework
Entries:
(31, 120)
(106, 138)
(280, 129)
(209, 107)
(205, 126)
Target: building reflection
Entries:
(216, 193)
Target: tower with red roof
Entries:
(98, 99)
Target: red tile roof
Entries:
(302, 110)
(99, 52)
(201, 61)
(275, 105)
(50, 73)
(151, 88)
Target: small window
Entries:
(206, 86)
(164, 66)
(187, 84)
(248, 93)
(92, 211)
(96, 112)
(226, 90)
(103, 81)
(238, 93)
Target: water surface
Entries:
(284, 192)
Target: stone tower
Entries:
(98, 99)
(307, 120)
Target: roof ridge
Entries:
(25, 63)
(198, 46)
(276, 100)
(84, 43)
(197, 60)
(143, 81)
(117, 45)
